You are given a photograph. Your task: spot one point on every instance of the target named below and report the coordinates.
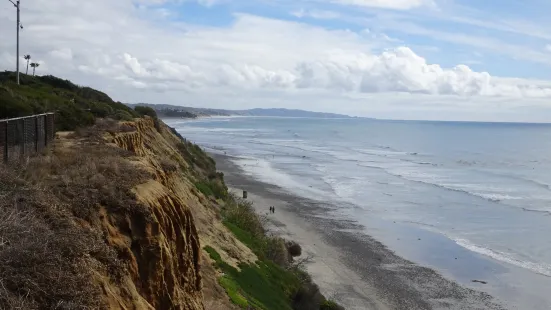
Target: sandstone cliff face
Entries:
(161, 246)
(165, 249)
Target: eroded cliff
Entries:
(128, 191)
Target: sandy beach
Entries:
(349, 266)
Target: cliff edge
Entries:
(110, 218)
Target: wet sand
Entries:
(349, 266)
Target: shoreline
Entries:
(348, 265)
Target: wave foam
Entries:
(508, 258)
(263, 170)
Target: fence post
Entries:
(36, 133)
(53, 126)
(45, 130)
(24, 137)
(6, 148)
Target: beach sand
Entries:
(349, 266)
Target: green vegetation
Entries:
(208, 180)
(204, 188)
(175, 113)
(75, 106)
(196, 156)
(329, 305)
(275, 281)
(143, 111)
(264, 285)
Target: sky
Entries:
(399, 59)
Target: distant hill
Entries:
(288, 113)
(166, 110)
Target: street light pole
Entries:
(17, 6)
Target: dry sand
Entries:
(334, 278)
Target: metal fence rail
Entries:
(23, 136)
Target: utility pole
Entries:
(18, 7)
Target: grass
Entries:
(232, 289)
(204, 188)
(275, 281)
(263, 285)
(255, 244)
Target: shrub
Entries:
(123, 116)
(240, 213)
(75, 106)
(143, 111)
(276, 251)
(102, 126)
(308, 297)
(330, 305)
(294, 249)
(204, 188)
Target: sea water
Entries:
(477, 192)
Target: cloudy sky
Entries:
(401, 59)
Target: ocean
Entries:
(477, 196)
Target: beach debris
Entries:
(479, 281)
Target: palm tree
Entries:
(34, 65)
(27, 57)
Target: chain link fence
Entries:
(23, 136)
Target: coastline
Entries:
(349, 266)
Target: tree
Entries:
(27, 57)
(34, 65)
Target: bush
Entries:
(308, 297)
(204, 188)
(240, 213)
(330, 305)
(123, 116)
(75, 106)
(294, 249)
(143, 111)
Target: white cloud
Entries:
(493, 44)
(389, 4)
(255, 62)
(62, 54)
(318, 14)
